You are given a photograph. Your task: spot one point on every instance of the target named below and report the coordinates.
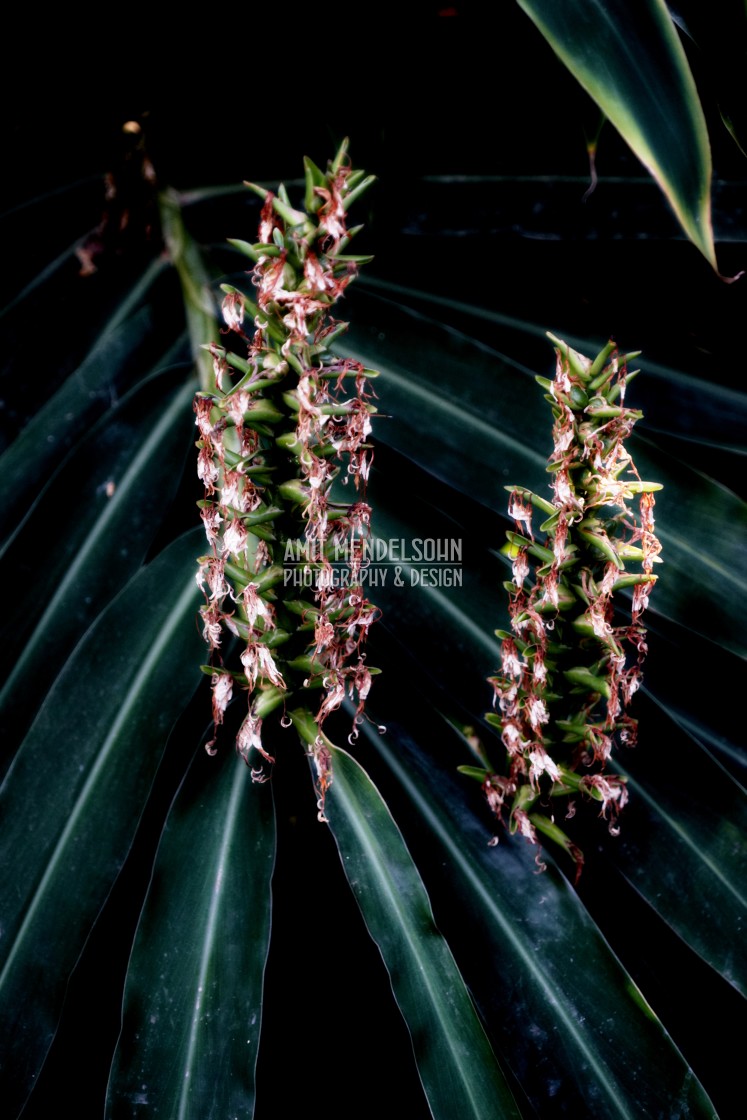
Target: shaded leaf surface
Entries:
(74, 795)
(679, 402)
(478, 421)
(103, 508)
(588, 1043)
(674, 834)
(459, 1073)
(193, 997)
(44, 442)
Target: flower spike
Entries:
(570, 666)
(280, 432)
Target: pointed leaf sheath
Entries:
(629, 59)
(458, 1069)
(193, 997)
(73, 798)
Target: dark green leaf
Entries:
(102, 508)
(686, 823)
(565, 1016)
(631, 62)
(460, 1075)
(74, 794)
(84, 396)
(193, 997)
(675, 402)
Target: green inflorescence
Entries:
(280, 427)
(571, 663)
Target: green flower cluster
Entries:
(281, 431)
(571, 664)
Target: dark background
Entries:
(433, 91)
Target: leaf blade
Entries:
(100, 542)
(73, 814)
(199, 954)
(458, 1070)
(632, 64)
